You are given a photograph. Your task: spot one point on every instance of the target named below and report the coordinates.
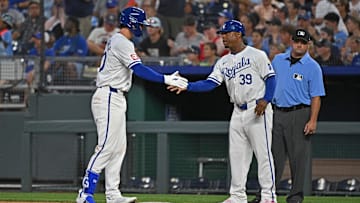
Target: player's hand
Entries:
(177, 89)
(260, 107)
(176, 80)
(310, 128)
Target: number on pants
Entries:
(245, 79)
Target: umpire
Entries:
(296, 105)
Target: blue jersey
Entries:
(6, 48)
(71, 46)
(296, 83)
(34, 52)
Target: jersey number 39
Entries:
(245, 79)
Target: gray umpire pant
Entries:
(290, 141)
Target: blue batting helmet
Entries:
(232, 26)
(133, 18)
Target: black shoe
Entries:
(256, 200)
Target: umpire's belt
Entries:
(291, 108)
(247, 105)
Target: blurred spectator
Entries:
(328, 34)
(150, 11)
(273, 31)
(155, 44)
(350, 50)
(102, 8)
(192, 56)
(71, 44)
(18, 17)
(6, 23)
(31, 26)
(265, 12)
(324, 55)
(282, 14)
(356, 55)
(56, 22)
(49, 51)
(209, 31)
(249, 21)
(324, 7)
(184, 40)
(20, 5)
(304, 22)
(82, 10)
(173, 11)
(276, 49)
(244, 6)
(286, 33)
(331, 20)
(258, 42)
(99, 36)
(293, 9)
(305, 5)
(353, 25)
(344, 9)
(224, 16)
(354, 7)
(210, 56)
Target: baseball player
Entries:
(249, 78)
(108, 106)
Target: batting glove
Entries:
(176, 80)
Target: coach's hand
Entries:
(177, 89)
(176, 80)
(260, 107)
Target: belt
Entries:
(291, 108)
(245, 106)
(112, 89)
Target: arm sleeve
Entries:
(201, 86)
(147, 73)
(270, 84)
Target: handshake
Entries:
(176, 82)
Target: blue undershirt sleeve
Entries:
(147, 73)
(269, 88)
(201, 86)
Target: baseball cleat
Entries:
(121, 200)
(84, 198)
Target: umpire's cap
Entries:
(232, 26)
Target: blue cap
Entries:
(111, 3)
(37, 35)
(227, 14)
(304, 16)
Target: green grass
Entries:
(70, 197)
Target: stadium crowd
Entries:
(183, 28)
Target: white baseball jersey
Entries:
(118, 58)
(109, 107)
(244, 74)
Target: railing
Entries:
(78, 74)
(162, 129)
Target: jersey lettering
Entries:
(103, 60)
(232, 71)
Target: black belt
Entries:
(291, 108)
